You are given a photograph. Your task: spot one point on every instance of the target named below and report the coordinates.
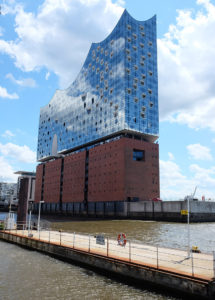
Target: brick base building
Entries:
(100, 178)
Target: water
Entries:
(31, 275)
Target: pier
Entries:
(167, 268)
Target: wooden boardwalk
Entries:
(198, 265)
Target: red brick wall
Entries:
(74, 176)
(142, 177)
(106, 172)
(38, 184)
(52, 181)
(113, 174)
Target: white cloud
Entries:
(174, 185)
(4, 94)
(8, 134)
(59, 35)
(47, 75)
(186, 69)
(28, 82)
(6, 171)
(171, 156)
(21, 153)
(199, 152)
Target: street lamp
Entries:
(29, 217)
(38, 222)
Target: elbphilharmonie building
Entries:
(97, 139)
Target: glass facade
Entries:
(116, 90)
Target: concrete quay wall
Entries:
(145, 210)
(171, 211)
(126, 271)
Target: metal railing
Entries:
(201, 265)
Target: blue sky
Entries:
(38, 55)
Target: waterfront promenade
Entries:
(197, 265)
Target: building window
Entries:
(129, 39)
(138, 155)
(141, 45)
(135, 100)
(151, 104)
(127, 70)
(129, 27)
(129, 91)
(134, 35)
(150, 73)
(141, 27)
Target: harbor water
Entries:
(31, 275)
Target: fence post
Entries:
(129, 250)
(60, 237)
(23, 229)
(107, 246)
(39, 234)
(73, 240)
(157, 259)
(89, 244)
(49, 236)
(214, 263)
(192, 263)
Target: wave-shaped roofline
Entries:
(97, 43)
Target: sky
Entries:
(43, 45)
